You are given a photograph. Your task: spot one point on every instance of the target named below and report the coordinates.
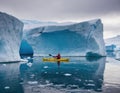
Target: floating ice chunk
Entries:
(6, 87)
(45, 66)
(90, 81)
(92, 85)
(73, 86)
(29, 64)
(47, 81)
(49, 84)
(32, 82)
(67, 74)
(23, 60)
(28, 57)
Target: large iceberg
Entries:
(10, 37)
(77, 39)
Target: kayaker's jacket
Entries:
(58, 56)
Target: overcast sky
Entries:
(67, 10)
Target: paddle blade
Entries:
(50, 55)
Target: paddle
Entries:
(51, 55)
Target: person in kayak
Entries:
(58, 57)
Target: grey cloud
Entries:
(60, 9)
(112, 28)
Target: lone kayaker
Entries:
(58, 57)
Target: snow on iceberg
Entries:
(10, 37)
(70, 40)
(29, 24)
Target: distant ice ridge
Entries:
(113, 40)
(113, 44)
(10, 37)
(70, 40)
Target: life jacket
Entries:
(58, 56)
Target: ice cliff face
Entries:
(10, 37)
(71, 40)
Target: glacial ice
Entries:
(70, 40)
(10, 37)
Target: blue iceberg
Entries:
(69, 40)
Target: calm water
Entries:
(80, 75)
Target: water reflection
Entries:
(9, 78)
(79, 73)
(35, 76)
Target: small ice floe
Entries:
(45, 72)
(73, 87)
(90, 81)
(45, 67)
(45, 85)
(23, 60)
(41, 86)
(29, 64)
(47, 81)
(32, 82)
(28, 57)
(60, 85)
(49, 84)
(6, 87)
(67, 74)
(91, 85)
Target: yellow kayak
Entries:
(55, 59)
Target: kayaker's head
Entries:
(59, 54)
